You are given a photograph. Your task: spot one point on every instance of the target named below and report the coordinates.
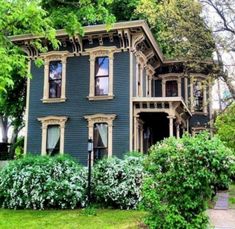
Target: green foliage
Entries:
(225, 125)
(19, 148)
(36, 182)
(117, 182)
(20, 17)
(183, 173)
(72, 15)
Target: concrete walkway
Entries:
(221, 217)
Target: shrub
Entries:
(117, 183)
(182, 176)
(225, 125)
(42, 182)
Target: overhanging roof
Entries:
(102, 28)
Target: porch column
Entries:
(187, 123)
(135, 132)
(171, 130)
(178, 131)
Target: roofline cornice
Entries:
(102, 28)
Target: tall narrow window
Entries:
(101, 76)
(171, 88)
(100, 140)
(55, 79)
(53, 140)
(198, 96)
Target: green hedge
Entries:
(183, 174)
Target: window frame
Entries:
(51, 125)
(101, 118)
(171, 77)
(49, 57)
(99, 147)
(101, 51)
(52, 120)
(171, 85)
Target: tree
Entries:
(179, 28)
(225, 125)
(73, 14)
(223, 27)
(19, 17)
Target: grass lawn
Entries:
(232, 195)
(104, 218)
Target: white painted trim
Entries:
(101, 118)
(131, 104)
(99, 52)
(52, 120)
(27, 109)
(54, 56)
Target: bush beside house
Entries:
(36, 182)
(183, 174)
(173, 183)
(117, 183)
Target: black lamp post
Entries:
(89, 149)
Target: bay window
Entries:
(198, 96)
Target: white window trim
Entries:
(101, 51)
(52, 120)
(171, 78)
(101, 118)
(141, 62)
(149, 75)
(54, 56)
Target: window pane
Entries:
(55, 89)
(100, 140)
(198, 96)
(53, 139)
(102, 66)
(171, 88)
(101, 86)
(100, 135)
(55, 79)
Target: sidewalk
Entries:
(221, 217)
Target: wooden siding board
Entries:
(77, 106)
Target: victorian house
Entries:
(114, 87)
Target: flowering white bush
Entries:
(43, 182)
(117, 182)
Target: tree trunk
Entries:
(13, 141)
(4, 128)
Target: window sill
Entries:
(104, 97)
(199, 113)
(53, 100)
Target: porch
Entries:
(156, 118)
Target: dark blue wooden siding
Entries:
(77, 106)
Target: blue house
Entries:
(113, 86)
